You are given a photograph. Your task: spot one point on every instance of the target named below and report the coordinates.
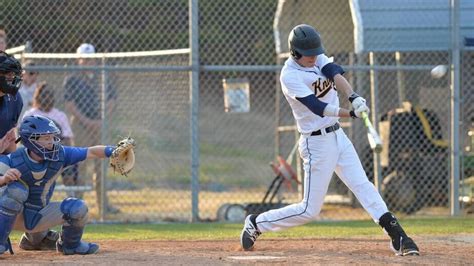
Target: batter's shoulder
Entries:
(289, 75)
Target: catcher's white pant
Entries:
(52, 216)
(322, 155)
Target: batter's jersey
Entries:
(299, 82)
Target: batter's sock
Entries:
(253, 219)
(401, 243)
(391, 225)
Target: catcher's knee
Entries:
(12, 199)
(74, 211)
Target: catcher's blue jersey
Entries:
(40, 177)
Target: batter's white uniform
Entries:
(322, 154)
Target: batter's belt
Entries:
(328, 130)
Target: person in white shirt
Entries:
(43, 104)
(309, 80)
(28, 85)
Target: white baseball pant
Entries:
(322, 155)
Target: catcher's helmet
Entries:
(32, 128)
(304, 40)
(9, 64)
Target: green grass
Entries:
(220, 231)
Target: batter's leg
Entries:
(319, 161)
(350, 171)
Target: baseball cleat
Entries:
(48, 242)
(6, 246)
(84, 248)
(404, 247)
(249, 233)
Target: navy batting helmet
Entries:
(305, 40)
(33, 128)
(9, 64)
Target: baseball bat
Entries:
(374, 138)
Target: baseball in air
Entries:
(439, 71)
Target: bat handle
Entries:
(365, 118)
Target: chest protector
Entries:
(40, 178)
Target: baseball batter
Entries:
(309, 80)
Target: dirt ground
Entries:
(440, 250)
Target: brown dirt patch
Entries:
(441, 250)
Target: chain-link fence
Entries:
(117, 92)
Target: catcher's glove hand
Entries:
(122, 159)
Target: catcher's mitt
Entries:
(122, 159)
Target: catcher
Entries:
(28, 177)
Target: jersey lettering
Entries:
(322, 87)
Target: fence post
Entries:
(103, 140)
(455, 106)
(194, 101)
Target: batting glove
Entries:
(357, 100)
(357, 113)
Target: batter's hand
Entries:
(362, 109)
(357, 100)
(10, 175)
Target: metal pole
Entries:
(277, 112)
(194, 101)
(400, 80)
(103, 136)
(455, 106)
(373, 107)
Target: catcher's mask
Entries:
(40, 135)
(304, 40)
(10, 74)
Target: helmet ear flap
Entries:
(295, 54)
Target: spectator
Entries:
(3, 38)
(82, 93)
(3, 42)
(3, 32)
(28, 85)
(43, 104)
